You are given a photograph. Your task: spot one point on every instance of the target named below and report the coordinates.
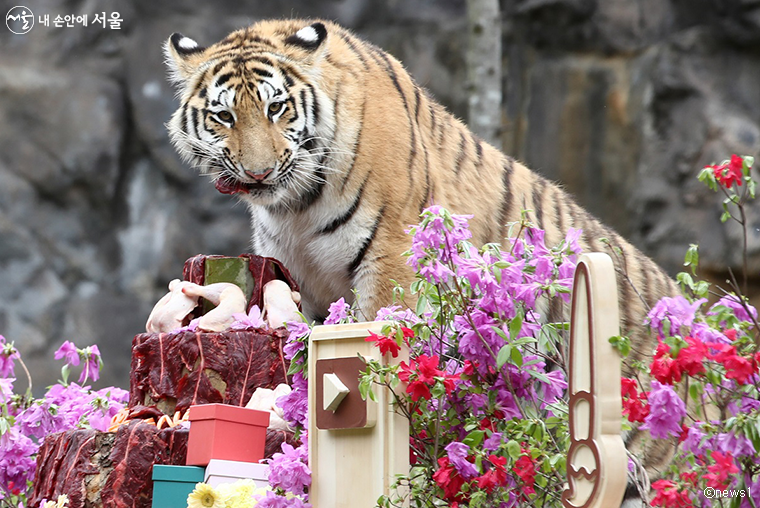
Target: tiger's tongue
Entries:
(229, 186)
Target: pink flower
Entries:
(92, 362)
(8, 354)
(69, 352)
(251, 320)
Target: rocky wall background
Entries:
(621, 100)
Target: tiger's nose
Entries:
(258, 176)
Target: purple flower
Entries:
(272, 500)
(17, 464)
(666, 411)
(8, 354)
(677, 310)
(295, 404)
(38, 420)
(556, 388)
(288, 470)
(571, 241)
(92, 362)
(492, 443)
(694, 440)
(69, 352)
(247, 321)
(733, 303)
(191, 326)
(458, 456)
(729, 442)
(754, 492)
(394, 313)
(6, 388)
(338, 311)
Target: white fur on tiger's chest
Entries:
(320, 262)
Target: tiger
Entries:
(336, 150)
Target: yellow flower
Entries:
(239, 494)
(205, 496)
(62, 502)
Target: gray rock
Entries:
(623, 101)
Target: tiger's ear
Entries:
(309, 37)
(183, 56)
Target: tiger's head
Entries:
(252, 113)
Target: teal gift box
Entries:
(172, 484)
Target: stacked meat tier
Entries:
(169, 373)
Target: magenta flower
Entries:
(677, 310)
(8, 354)
(666, 411)
(733, 303)
(92, 362)
(338, 311)
(271, 500)
(6, 388)
(247, 321)
(17, 462)
(68, 351)
(288, 470)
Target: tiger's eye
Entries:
(225, 116)
(276, 107)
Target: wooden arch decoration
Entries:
(597, 463)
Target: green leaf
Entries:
(421, 304)
(515, 325)
(695, 390)
(503, 356)
(517, 357)
(513, 449)
(474, 438)
(621, 344)
(725, 216)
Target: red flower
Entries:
(669, 496)
(635, 406)
(526, 470)
(494, 477)
(664, 368)
(418, 390)
(428, 368)
(731, 334)
(449, 479)
(405, 371)
(717, 477)
(684, 433)
(690, 358)
(727, 174)
(407, 332)
(385, 344)
(737, 367)
(690, 477)
(469, 368)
